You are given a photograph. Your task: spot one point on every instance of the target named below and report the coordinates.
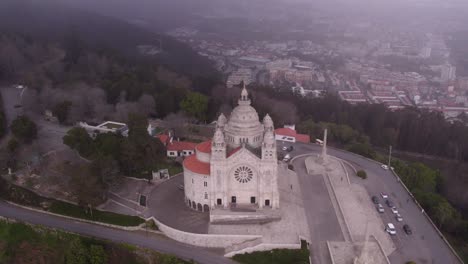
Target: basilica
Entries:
(238, 168)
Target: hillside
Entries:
(49, 20)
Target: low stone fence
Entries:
(263, 247)
(203, 240)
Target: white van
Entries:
(390, 229)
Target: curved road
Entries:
(424, 245)
(143, 239)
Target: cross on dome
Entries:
(244, 94)
(244, 98)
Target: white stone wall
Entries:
(262, 186)
(172, 153)
(204, 240)
(243, 191)
(285, 138)
(195, 188)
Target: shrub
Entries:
(362, 174)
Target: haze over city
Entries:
(218, 131)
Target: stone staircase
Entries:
(243, 245)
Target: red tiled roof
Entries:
(163, 138)
(181, 145)
(204, 147)
(194, 165)
(292, 133)
(285, 132)
(303, 138)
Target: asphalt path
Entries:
(140, 238)
(425, 244)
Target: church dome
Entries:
(244, 116)
(244, 124)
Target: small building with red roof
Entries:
(176, 148)
(290, 135)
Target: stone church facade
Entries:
(238, 167)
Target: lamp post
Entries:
(389, 155)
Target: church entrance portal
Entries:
(233, 199)
(267, 202)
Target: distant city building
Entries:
(241, 75)
(353, 97)
(448, 73)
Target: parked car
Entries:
(394, 210)
(390, 229)
(385, 167)
(287, 158)
(389, 203)
(384, 195)
(380, 208)
(398, 218)
(375, 199)
(285, 148)
(407, 229)
(181, 187)
(290, 148)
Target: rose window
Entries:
(243, 174)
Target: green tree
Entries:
(362, 149)
(61, 111)
(24, 129)
(97, 255)
(108, 144)
(12, 145)
(77, 138)
(419, 176)
(196, 105)
(140, 152)
(76, 253)
(362, 174)
(87, 186)
(443, 213)
(105, 167)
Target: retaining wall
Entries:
(203, 240)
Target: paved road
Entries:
(321, 217)
(143, 239)
(425, 245)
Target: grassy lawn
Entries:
(72, 210)
(276, 256)
(20, 243)
(173, 167)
